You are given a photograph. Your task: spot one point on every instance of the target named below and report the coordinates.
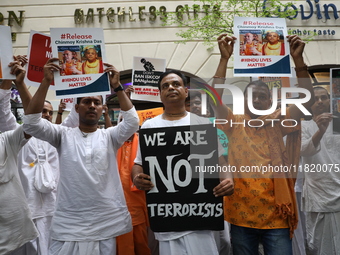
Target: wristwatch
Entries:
(119, 88)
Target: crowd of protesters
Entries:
(72, 188)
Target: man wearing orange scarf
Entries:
(263, 206)
(136, 241)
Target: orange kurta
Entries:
(134, 242)
(253, 203)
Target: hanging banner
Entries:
(81, 53)
(261, 48)
(183, 177)
(6, 53)
(145, 76)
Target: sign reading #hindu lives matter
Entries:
(182, 163)
(39, 51)
(6, 53)
(261, 48)
(145, 76)
(81, 53)
(335, 99)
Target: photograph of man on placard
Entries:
(92, 61)
(274, 44)
(69, 58)
(250, 42)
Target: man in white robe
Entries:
(17, 227)
(91, 209)
(321, 167)
(35, 154)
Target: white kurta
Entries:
(321, 189)
(16, 226)
(320, 194)
(90, 203)
(40, 204)
(206, 238)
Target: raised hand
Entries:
(18, 70)
(226, 45)
(296, 46)
(114, 76)
(49, 68)
(323, 121)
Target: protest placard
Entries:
(335, 99)
(39, 51)
(261, 48)
(148, 114)
(81, 53)
(184, 177)
(69, 103)
(145, 76)
(6, 53)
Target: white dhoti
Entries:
(195, 243)
(222, 239)
(323, 233)
(103, 247)
(38, 246)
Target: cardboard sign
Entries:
(81, 53)
(180, 161)
(145, 76)
(261, 48)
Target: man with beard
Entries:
(320, 195)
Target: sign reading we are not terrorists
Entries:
(182, 197)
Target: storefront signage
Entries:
(123, 14)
